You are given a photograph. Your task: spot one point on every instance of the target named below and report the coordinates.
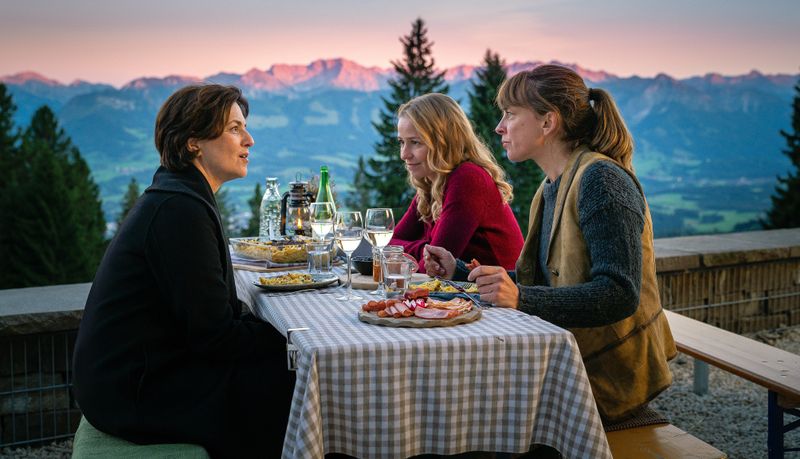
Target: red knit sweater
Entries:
(474, 222)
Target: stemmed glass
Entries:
(321, 215)
(379, 228)
(349, 229)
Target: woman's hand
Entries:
(438, 262)
(495, 286)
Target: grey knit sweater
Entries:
(611, 214)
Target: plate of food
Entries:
(282, 251)
(295, 281)
(416, 309)
(442, 291)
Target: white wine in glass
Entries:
(379, 238)
(348, 230)
(349, 244)
(379, 229)
(321, 215)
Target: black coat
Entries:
(162, 353)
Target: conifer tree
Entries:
(60, 235)
(8, 136)
(226, 212)
(785, 212)
(362, 197)
(526, 176)
(385, 172)
(131, 195)
(8, 179)
(253, 225)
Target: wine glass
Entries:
(348, 230)
(321, 216)
(379, 227)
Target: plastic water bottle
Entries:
(270, 211)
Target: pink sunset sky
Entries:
(117, 41)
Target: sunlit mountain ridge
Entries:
(337, 73)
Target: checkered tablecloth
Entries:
(498, 384)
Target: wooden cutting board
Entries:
(363, 282)
(418, 322)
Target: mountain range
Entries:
(708, 148)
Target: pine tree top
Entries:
(382, 179)
(7, 109)
(785, 211)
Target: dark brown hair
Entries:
(588, 116)
(196, 111)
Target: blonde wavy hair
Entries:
(444, 128)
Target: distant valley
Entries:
(708, 148)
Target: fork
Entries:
(477, 301)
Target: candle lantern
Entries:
(295, 210)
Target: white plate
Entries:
(317, 281)
(449, 295)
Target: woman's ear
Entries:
(192, 146)
(550, 122)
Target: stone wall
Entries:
(36, 387)
(742, 282)
(37, 334)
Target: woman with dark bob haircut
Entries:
(164, 353)
(588, 262)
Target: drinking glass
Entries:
(379, 226)
(321, 215)
(348, 230)
(319, 257)
(398, 267)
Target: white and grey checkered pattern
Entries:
(498, 384)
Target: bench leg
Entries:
(774, 427)
(700, 377)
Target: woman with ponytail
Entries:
(588, 262)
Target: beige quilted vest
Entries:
(627, 360)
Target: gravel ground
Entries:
(57, 450)
(732, 416)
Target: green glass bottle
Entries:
(324, 194)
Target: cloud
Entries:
(272, 121)
(326, 118)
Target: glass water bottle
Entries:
(270, 212)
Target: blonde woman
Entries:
(462, 197)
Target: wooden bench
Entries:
(659, 441)
(775, 369)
